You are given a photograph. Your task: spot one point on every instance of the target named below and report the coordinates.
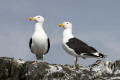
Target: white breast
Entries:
(39, 41)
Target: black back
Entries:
(80, 47)
(48, 45)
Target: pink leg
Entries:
(75, 63)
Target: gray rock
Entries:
(11, 69)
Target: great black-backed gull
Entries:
(39, 43)
(76, 47)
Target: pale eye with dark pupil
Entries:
(38, 17)
(66, 23)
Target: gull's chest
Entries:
(39, 38)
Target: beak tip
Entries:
(60, 25)
(31, 18)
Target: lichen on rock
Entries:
(11, 69)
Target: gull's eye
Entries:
(38, 17)
(66, 23)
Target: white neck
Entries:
(38, 27)
(67, 34)
(39, 31)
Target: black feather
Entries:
(102, 55)
(48, 45)
(80, 47)
(30, 43)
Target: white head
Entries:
(65, 25)
(39, 19)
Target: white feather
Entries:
(39, 40)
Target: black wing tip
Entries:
(102, 55)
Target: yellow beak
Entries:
(61, 25)
(32, 18)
